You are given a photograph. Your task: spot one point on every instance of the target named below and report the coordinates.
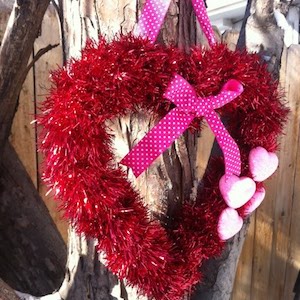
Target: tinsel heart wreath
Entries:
(124, 76)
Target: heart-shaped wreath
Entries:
(131, 74)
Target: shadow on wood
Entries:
(32, 252)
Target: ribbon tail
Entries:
(157, 141)
(151, 18)
(230, 149)
(204, 21)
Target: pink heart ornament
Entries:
(229, 224)
(236, 191)
(255, 201)
(262, 164)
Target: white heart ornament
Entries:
(236, 191)
(229, 224)
(262, 164)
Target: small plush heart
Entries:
(262, 163)
(230, 223)
(236, 191)
(255, 201)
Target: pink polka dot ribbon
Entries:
(154, 12)
(151, 18)
(203, 20)
(188, 106)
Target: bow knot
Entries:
(188, 106)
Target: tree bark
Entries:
(263, 34)
(22, 29)
(6, 5)
(6, 292)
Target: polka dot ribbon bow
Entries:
(153, 15)
(188, 106)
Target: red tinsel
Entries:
(118, 78)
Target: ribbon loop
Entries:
(188, 106)
(180, 93)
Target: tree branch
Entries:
(38, 55)
(16, 48)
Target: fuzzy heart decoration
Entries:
(129, 75)
(236, 191)
(255, 201)
(262, 163)
(230, 223)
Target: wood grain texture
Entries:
(293, 259)
(23, 133)
(262, 252)
(86, 277)
(275, 260)
(49, 35)
(4, 16)
(286, 178)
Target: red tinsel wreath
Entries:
(128, 75)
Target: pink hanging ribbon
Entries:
(154, 12)
(188, 106)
